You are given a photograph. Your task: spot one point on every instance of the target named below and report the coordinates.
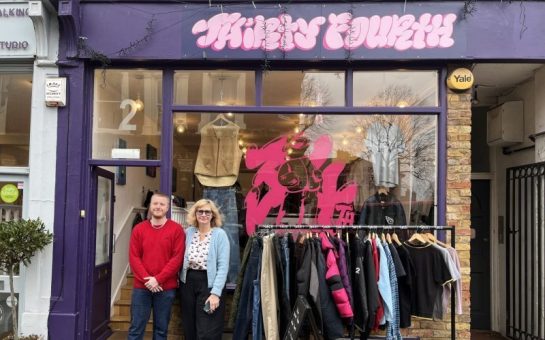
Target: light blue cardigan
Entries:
(218, 259)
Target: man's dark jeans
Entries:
(143, 301)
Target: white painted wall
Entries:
(540, 114)
(532, 93)
(128, 196)
(36, 292)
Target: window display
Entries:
(214, 87)
(15, 102)
(312, 169)
(304, 88)
(127, 105)
(399, 88)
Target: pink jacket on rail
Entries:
(333, 278)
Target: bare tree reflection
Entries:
(395, 95)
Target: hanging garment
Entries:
(292, 271)
(457, 285)
(432, 274)
(392, 330)
(331, 321)
(380, 309)
(218, 158)
(257, 310)
(269, 296)
(400, 271)
(240, 279)
(361, 312)
(384, 286)
(438, 307)
(386, 143)
(380, 209)
(404, 286)
(281, 289)
(245, 306)
(333, 278)
(342, 263)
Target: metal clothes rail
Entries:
(418, 228)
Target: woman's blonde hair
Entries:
(215, 221)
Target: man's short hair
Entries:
(160, 194)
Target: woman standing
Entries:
(204, 272)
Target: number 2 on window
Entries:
(124, 125)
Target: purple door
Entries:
(103, 200)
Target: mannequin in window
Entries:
(382, 208)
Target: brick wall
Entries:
(459, 193)
(458, 214)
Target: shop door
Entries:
(103, 198)
(480, 254)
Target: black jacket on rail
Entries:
(371, 284)
(359, 286)
(331, 321)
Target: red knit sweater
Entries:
(157, 252)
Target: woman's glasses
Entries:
(204, 212)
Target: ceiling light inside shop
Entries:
(139, 103)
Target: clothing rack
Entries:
(418, 228)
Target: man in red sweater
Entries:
(156, 252)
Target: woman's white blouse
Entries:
(198, 251)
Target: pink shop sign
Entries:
(341, 31)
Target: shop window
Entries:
(304, 88)
(15, 106)
(127, 111)
(214, 87)
(396, 88)
(316, 169)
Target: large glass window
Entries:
(316, 169)
(127, 111)
(396, 88)
(15, 106)
(303, 88)
(214, 87)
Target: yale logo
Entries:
(460, 79)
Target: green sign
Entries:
(9, 193)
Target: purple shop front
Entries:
(357, 31)
(170, 37)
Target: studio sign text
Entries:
(13, 45)
(342, 31)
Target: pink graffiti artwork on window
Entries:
(313, 177)
(343, 31)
